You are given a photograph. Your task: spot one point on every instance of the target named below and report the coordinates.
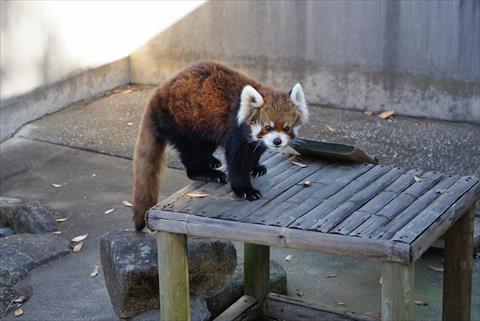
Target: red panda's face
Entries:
(275, 118)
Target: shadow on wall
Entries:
(417, 58)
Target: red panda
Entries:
(205, 106)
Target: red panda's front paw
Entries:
(259, 171)
(248, 193)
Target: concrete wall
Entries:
(419, 58)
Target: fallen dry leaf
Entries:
(109, 211)
(372, 314)
(307, 183)
(79, 238)
(380, 281)
(56, 185)
(420, 302)
(368, 113)
(127, 204)
(62, 219)
(417, 179)
(288, 258)
(337, 302)
(299, 293)
(331, 129)
(386, 114)
(18, 312)
(197, 194)
(435, 268)
(57, 232)
(129, 124)
(331, 275)
(20, 299)
(423, 124)
(77, 247)
(93, 175)
(94, 273)
(440, 191)
(299, 164)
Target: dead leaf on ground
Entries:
(197, 194)
(307, 183)
(93, 175)
(380, 281)
(331, 129)
(18, 312)
(386, 114)
(299, 293)
(372, 314)
(338, 302)
(94, 273)
(57, 232)
(331, 275)
(417, 179)
(435, 268)
(77, 247)
(62, 219)
(56, 185)
(440, 191)
(109, 211)
(420, 302)
(129, 124)
(368, 113)
(288, 258)
(127, 204)
(423, 124)
(20, 299)
(79, 238)
(299, 164)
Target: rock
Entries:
(6, 231)
(26, 217)
(219, 303)
(20, 253)
(129, 261)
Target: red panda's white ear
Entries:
(298, 98)
(250, 99)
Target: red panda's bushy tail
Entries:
(148, 166)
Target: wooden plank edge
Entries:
(282, 307)
(440, 226)
(244, 309)
(383, 250)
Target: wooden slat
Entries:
(397, 292)
(256, 273)
(244, 309)
(424, 219)
(281, 307)
(310, 218)
(397, 205)
(389, 229)
(341, 212)
(443, 223)
(282, 237)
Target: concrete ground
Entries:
(87, 149)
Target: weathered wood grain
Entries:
(397, 292)
(244, 309)
(425, 218)
(256, 275)
(391, 227)
(281, 307)
(313, 216)
(173, 276)
(457, 278)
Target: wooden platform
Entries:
(374, 211)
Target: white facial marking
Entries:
(270, 137)
(298, 98)
(250, 99)
(295, 130)
(256, 129)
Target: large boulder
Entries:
(24, 217)
(129, 261)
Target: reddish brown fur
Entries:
(203, 99)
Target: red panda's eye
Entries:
(286, 128)
(268, 128)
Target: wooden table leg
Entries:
(256, 271)
(397, 291)
(457, 277)
(173, 276)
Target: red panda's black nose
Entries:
(277, 141)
